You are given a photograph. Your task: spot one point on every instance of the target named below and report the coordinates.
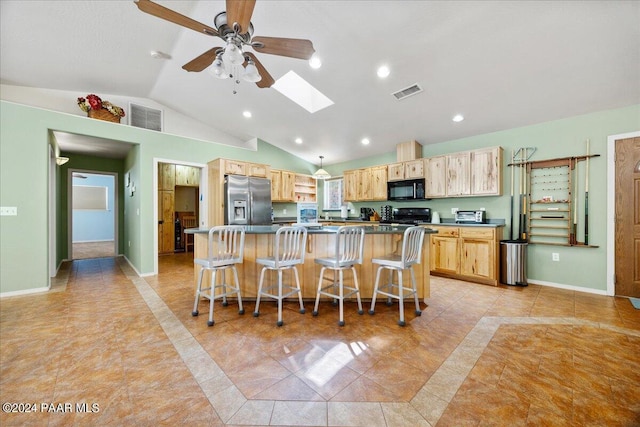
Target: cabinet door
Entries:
(477, 258)
(350, 186)
(288, 186)
(486, 168)
(445, 255)
(414, 169)
(459, 174)
(435, 176)
(364, 184)
(276, 185)
(165, 222)
(233, 167)
(187, 176)
(258, 170)
(395, 172)
(166, 176)
(379, 183)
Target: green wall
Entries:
(24, 160)
(578, 266)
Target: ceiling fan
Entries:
(235, 28)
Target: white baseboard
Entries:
(569, 287)
(24, 292)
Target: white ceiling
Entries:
(502, 64)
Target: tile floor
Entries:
(106, 347)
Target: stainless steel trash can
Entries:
(513, 262)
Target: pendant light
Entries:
(321, 173)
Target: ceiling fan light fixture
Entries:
(219, 69)
(315, 62)
(250, 73)
(321, 173)
(233, 54)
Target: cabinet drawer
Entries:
(477, 233)
(447, 231)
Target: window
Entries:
(333, 196)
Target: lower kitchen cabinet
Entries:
(467, 253)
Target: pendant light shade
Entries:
(321, 173)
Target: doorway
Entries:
(93, 218)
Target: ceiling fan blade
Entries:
(293, 48)
(155, 9)
(266, 80)
(240, 11)
(203, 61)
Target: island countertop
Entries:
(325, 229)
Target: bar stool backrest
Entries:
(226, 244)
(290, 246)
(349, 245)
(412, 246)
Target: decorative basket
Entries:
(103, 114)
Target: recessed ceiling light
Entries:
(458, 118)
(247, 114)
(298, 140)
(383, 72)
(365, 141)
(315, 62)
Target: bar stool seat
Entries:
(225, 250)
(289, 251)
(347, 253)
(411, 254)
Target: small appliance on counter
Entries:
(366, 214)
(411, 216)
(435, 218)
(386, 213)
(471, 217)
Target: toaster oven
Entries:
(471, 217)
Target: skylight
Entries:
(301, 92)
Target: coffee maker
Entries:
(366, 214)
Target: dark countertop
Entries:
(326, 229)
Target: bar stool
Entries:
(289, 251)
(347, 253)
(411, 254)
(188, 221)
(225, 250)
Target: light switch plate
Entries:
(8, 210)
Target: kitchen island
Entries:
(379, 240)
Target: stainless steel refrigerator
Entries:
(248, 200)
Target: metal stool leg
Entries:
(355, 282)
(256, 311)
(401, 298)
(211, 297)
(195, 303)
(415, 293)
(279, 298)
(295, 272)
(235, 275)
(375, 291)
(317, 304)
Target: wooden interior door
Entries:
(166, 236)
(627, 217)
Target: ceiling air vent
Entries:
(406, 92)
(145, 117)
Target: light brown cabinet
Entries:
(412, 169)
(365, 184)
(304, 188)
(282, 186)
(187, 176)
(468, 253)
(435, 176)
(166, 176)
(459, 174)
(166, 202)
(486, 172)
(395, 171)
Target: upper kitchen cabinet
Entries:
(463, 174)
(435, 173)
(365, 184)
(486, 172)
(459, 174)
(188, 176)
(410, 169)
(379, 183)
(235, 167)
(282, 185)
(350, 182)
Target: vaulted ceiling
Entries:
(501, 64)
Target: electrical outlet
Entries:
(129, 243)
(9, 210)
(482, 209)
(284, 211)
(454, 210)
(555, 256)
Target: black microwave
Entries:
(411, 189)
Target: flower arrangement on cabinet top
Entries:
(93, 102)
